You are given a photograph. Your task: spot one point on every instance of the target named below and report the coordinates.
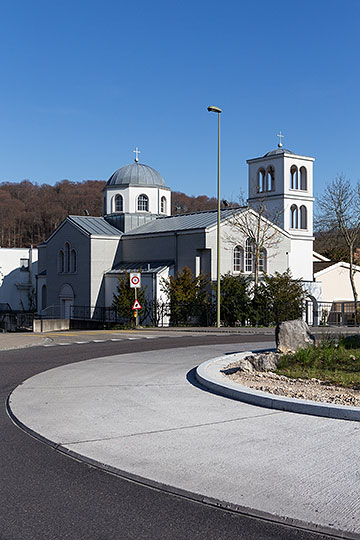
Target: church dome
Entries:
(136, 174)
(278, 151)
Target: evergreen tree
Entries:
(278, 298)
(234, 300)
(189, 296)
(123, 301)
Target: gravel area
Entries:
(310, 389)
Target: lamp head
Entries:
(214, 109)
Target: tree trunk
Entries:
(352, 281)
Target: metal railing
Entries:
(160, 314)
(331, 313)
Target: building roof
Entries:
(318, 266)
(183, 222)
(278, 151)
(95, 226)
(136, 174)
(144, 267)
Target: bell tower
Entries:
(282, 182)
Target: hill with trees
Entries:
(29, 212)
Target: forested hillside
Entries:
(30, 212)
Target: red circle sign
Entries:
(135, 280)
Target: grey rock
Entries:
(265, 361)
(292, 335)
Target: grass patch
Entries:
(336, 363)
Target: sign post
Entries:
(135, 283)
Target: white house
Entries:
(18, 270)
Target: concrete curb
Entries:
(209, 375)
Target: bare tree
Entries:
(259, 229)
(339, 210)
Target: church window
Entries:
(294, 217)
(270, 185)
(303, 217)
(118, 203)
(249, 255)
(238, 259)
(261, 181)
(61, 262)
(262, 260)
(294, 177)
(67, 257)
(143, 203)
(163, 205)
(303, 178)
(73, 266)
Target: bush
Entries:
(123, 301)
(278, 298)
(234, 299)
(189, 297)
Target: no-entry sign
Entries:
(135, 280)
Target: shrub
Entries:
(234, 299)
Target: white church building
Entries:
(80, 262)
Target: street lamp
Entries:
(218, 111)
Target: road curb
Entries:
(209, 375)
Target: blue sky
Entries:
(84, 82)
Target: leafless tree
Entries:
(339, 210)
(259, 228)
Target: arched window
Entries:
(303, 217)
(143, 203)
(73, 267)
(261, 181)
(294, 221)
(163, 205)
(249, 255)
(303, 178)
(263, 261)
(61, 262)
(270, 185)
(118, 203)
(238, 259)
(294, 177)
(43, 297)
(67, 257)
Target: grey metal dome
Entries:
(278, 151)
(136, 174)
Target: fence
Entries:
(160, 314)
(330, 313)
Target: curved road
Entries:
(46, 495)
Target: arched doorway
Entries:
(66, 300)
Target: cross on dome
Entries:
(280, 137)
(136, 152)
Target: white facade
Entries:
(159, 199)
(335, 282)
(18, 269)
(282, 182)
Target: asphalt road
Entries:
(46, 495)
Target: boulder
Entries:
(265, 361)
(292, 335)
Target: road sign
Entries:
(136, 305)
(135, 280)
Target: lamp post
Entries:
(218, 111)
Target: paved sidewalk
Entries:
(20, 340)
(144, 414)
